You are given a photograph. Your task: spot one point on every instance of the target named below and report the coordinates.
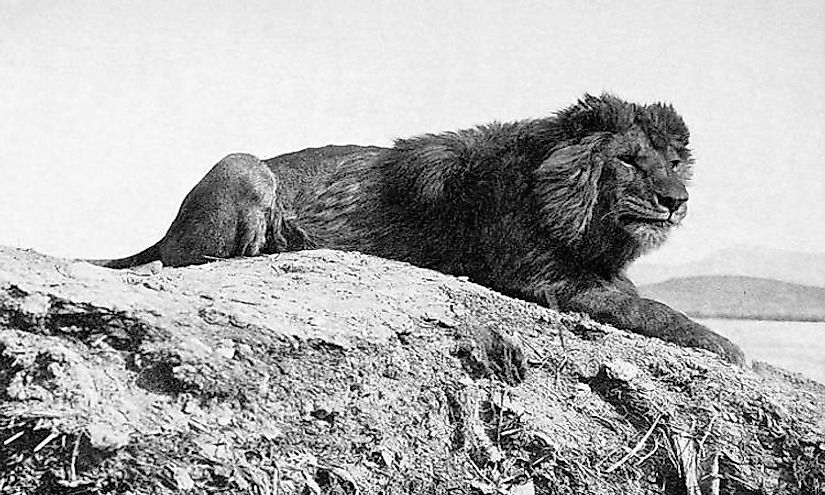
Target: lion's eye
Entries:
(674, 163)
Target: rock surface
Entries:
(339, 373)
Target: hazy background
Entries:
(111, 111)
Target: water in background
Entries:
(793, 345)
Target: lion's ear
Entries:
(566, 189)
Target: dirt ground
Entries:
(325, 372)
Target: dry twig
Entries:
(13, 437)
(559, 368)
(649, 454)
(636, 448)
(686, 451)
(714, 475)
(708, 431)
(72, 469)
(46, 441)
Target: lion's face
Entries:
(650, 173)
(614, 168)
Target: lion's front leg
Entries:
(627, 311)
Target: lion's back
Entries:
(308, 169)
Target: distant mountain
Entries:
(786, 266)
(740, 297)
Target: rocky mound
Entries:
(336, 373)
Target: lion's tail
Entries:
(148, 255)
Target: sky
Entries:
(111, 111)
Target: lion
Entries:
(549, 210)
(233, 211)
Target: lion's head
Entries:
(618, 169)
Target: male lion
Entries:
(549, 210)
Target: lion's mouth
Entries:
(636, 211)
(645, 212)
(667, 222)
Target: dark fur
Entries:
(548, 210)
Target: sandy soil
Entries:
(338, 373)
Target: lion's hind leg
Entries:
(254, 201)
(227, 214)
(251, 234)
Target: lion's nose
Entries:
(671, 202)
